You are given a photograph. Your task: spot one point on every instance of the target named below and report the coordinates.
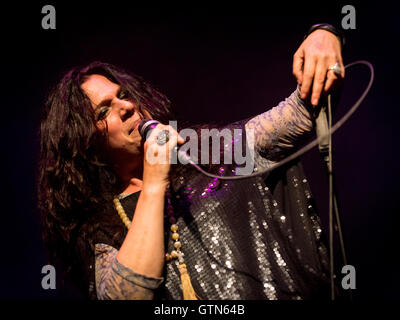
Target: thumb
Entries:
(298, 59)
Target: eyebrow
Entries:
(106, 102)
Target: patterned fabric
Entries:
(279, 130)
(115, 281)
(258, 238)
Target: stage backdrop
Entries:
(226, 63)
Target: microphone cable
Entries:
(310, 145)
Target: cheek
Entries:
(114, 124)
(115, 134)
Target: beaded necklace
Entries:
(187, 288)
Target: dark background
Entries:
(225, 62)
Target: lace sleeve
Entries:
(279, 129)
(115, 281)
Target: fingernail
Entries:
(315, 102)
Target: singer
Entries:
(125, 228)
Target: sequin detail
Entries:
(258, 238)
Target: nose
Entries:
(126, 109)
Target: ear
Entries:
(101, 125)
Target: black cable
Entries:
(328, 161)
(339, 230)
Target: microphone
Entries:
(145, 128)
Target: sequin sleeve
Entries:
(279, 129)
(114, 281)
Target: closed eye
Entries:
(102, 113)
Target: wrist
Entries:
(330, 28)
(155, 188)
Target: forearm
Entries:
(281, 128)
(143, 247)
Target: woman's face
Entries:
(117, 115)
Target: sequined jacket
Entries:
(258, 238)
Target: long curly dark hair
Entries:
(74, 181)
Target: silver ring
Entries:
(336, 69)
(163, 137)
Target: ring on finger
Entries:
(336, 69)
(163, 137)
